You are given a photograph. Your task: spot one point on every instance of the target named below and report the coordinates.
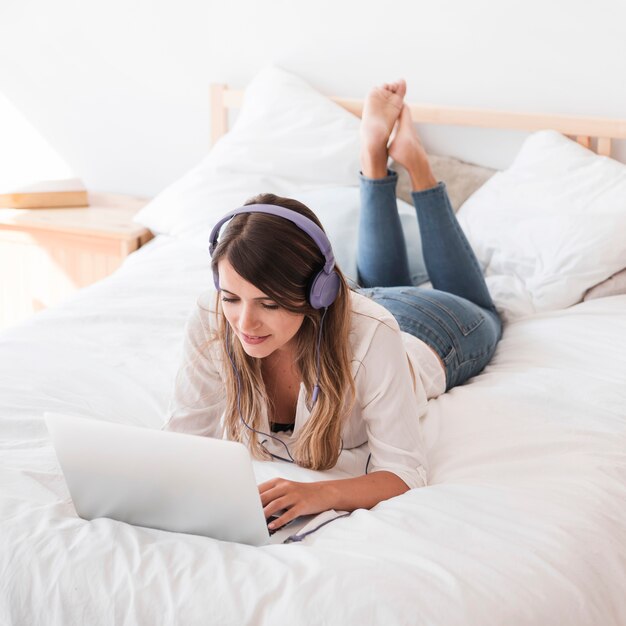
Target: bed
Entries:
(523, 518)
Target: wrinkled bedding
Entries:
(523, 520)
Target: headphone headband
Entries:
(325, 285)
(302, 222)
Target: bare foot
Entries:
(380, 113)
(406, 148)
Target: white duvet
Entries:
(523, 522)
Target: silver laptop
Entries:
(166, 480)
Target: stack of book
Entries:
(45, 194)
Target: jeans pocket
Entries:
(466, 315)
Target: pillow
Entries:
(613, 286)
(287, 138)
(549, 227)
(461, 179)
(338, 209)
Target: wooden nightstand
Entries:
(46, 254)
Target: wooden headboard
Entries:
(595, 133)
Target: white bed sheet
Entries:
(523, 521)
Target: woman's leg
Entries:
(457, 318)
(381, 249)
(450, 261)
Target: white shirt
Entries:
(389, 399)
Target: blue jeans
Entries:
(457, 318)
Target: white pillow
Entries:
(288, 137)
(613, 286)
(550, 226)
(338, 209)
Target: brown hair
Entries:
(280, 259)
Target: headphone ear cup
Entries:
(324, 290)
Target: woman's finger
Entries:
(279, 488)
(285, 518)
(290, 514)
(275, 482)
(277, 505)
(268, 484)
(272, 494)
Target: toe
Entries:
(401, 87)
(398, 87)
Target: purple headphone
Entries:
(325, 284)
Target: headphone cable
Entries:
(232, 362)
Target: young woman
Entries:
(267, 364)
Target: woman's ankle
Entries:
(374, 162)
(420, 172)
(423, 181)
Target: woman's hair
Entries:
(280, 259)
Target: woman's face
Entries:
(260, 324)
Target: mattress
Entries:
(522, 521)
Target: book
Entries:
(45, 194)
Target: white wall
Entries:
(120, 88)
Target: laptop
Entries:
(166, 480)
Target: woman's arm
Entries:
(391, 412)
(347, 494)
(198, 398)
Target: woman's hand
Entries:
(344, 494)
(296, 498)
